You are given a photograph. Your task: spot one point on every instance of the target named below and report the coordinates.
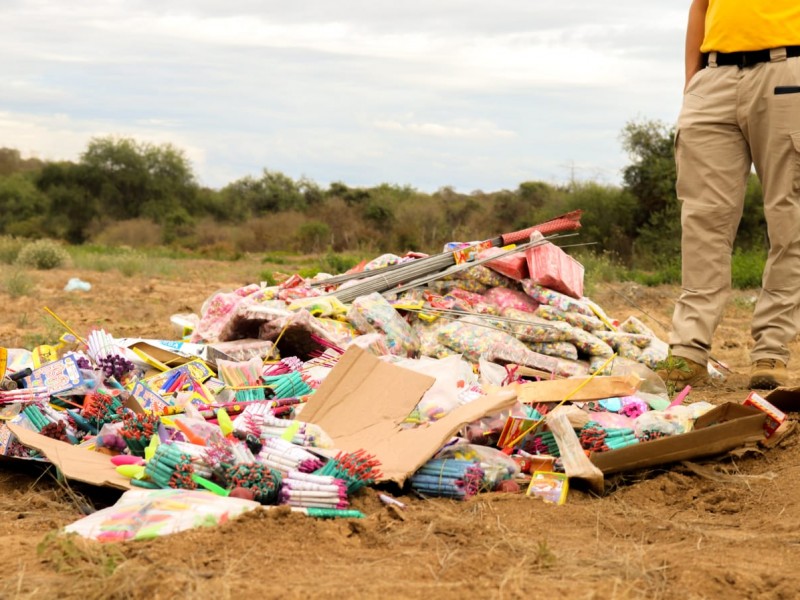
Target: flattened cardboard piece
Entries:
(362, 393)
(403, 451)
(363, 401)
(719, 430)
(74, 462)
(598, 388)
(161, 355)
(786, 399)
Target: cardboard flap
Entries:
(363, 393)
(721, 429)
(598, 388)
(403, 451)
(363, 401)
(74, 462)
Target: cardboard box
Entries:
(721, 429)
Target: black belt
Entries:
(748, 59)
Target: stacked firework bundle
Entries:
(263, 482)
(314, 491)
(596, 438)
(108, 355)
(24, 395)
(290, 385)
(101, 407)
(259, 421)
(450, 478)
(285, 457)
(137, 430)
(170, 467)
(357, 469)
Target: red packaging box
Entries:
(511, 265)
(551, 267)
(775, 416)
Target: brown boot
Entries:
(767, 374)
(685, 372)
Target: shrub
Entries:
(43, 254)
(599, 268)
(9, 248)
(268, 278)
(135, 233)
(132, 264)
(18, 283)
(747, 268)
(337, 263)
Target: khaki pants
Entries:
(732, 118)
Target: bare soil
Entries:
(723, 528)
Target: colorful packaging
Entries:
(514, 265)
(550, 487)
(551, 267)
(551, 313)
(472, 338)
(775, 416)
(557, 349)
(507, 298)
(556, 299)
(532, 329)
(373, 313)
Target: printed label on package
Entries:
(57, 376)
(148, 399)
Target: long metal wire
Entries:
(422, 273)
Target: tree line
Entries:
(122, 191)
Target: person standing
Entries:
(741, 107)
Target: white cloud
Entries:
(456, 92)
(471, 130)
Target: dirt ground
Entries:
(724, 528)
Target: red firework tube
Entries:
(567, 222)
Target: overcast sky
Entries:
(476, 95)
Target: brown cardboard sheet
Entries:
(723, 428)
(363, 401)
(597, 388)
(75, 463)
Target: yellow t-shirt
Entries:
(740, 25)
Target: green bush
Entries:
(669, 273)
(43, 254)
(747, 268)
(18, 283)
(268, 278)
(599, 268)
(9, 248)
(337, 263)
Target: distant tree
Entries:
(271, 193)
(23, 207)
(120, 179)
(12, 162)
(351, 196)
(650, 177)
